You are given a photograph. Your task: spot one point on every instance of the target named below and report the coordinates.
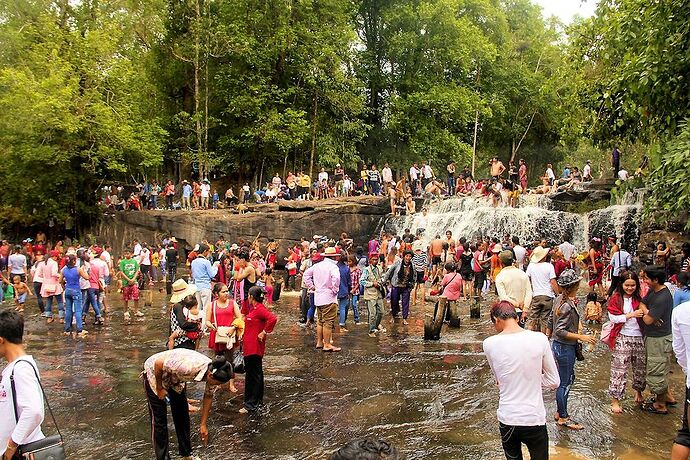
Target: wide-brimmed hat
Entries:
(498, 247)
(180, 290)
(330, 252)
(539, 254)
(568, 278)
(316, 237)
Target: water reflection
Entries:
(433, 400)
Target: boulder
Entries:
(287, 222)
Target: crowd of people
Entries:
(503, 185)
(226, 301)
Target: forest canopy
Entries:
(121, 90)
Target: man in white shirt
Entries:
(29, 398)
(323, 175)
(544, 289)
(205, 193)
(427, 174)
(387, 176)
(522, 364)
(680, 328)
(16, 264)
(414, 178)
(549, 173)
(520, 253)
(623, 175)
(144, 260)
(137, 249)
(567, 248)
(512, 285)
(587, 172)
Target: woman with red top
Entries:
(258, 323)
(292, 262)
(595, 266)
(626, 341)
(223, 312)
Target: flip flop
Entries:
(653, 410)
(332, 349)
(319, 347)
(570, 424)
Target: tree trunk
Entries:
(516, 148)
(197, 46)
(313, 136)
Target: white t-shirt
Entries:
(17, 264)
(323, 176)
(522, 363)
(623, 174)
(680, 327)
(520, 253)
(428, 173)
(205, 190)
(137, 249)
(550, 174)
(586, 171)
(106, 256)
(29, 405)
(541, 275)
(414, 173)
(145, 257)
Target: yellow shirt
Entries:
(305, 181)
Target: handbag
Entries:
(578, 352)
(238, 360)
(223, 333)
(50, 448)
(606, 330)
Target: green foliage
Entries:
(668, 186)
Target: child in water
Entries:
(592, 309)
(21, 291)
(7, 291)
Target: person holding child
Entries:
(224, 312)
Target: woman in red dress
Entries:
(223, 312)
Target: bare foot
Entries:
(193, 409)
(616, 408)
(193, 401)
(232, 388)
(244, 411)
(405, 322)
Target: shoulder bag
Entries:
(49, 448)
(223, 333)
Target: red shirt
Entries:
(258, 319)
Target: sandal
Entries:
(571, 425)
(653, 410)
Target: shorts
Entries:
(467, 276)
(420, 278)
(479, 278)
(659, 351)
(327, 314)
(683, 436)
(130, 293)
(21, 299)
(540, 312)
(436, 260)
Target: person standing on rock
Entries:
(202, 273)
(186, 195)
(324, 279)
(615, 161)
(522, 364)
(522, 174)
(387, 176)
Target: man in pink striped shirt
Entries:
(324, 279)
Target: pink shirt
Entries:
(51, 274)
(324, 278)
(453, 289)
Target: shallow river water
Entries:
(433, 400)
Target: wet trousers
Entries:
(253, 382)
(536, 438)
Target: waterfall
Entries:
(534, 219)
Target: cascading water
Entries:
(534, 219)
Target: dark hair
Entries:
(71, 260)
(686, 249)
(625, 276)
(515, 239)
(257, 293)
(656, 273)
(684, 279)
(592, 297)
(268, 271)
(217, 288)
(366, 449)
(407, 252)
(203, 247)
(503, 310)
(243, 255)
(11, 326)
(189, 301)
(450, 267)
(220, 369)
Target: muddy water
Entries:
(432, 400)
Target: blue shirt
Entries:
(681, 295)
(71, 275)
(187, 191)
(566, 173)
(620, 260)
(345, 281)
(202, 272)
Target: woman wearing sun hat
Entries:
(182, 297)
(566, 327)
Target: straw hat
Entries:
(538, 254)
(180, 290)
(330, 252)
(498, 247)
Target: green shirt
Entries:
(128, 267)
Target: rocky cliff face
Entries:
(672, 233)
(286, 222)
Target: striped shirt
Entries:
(420, 261)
